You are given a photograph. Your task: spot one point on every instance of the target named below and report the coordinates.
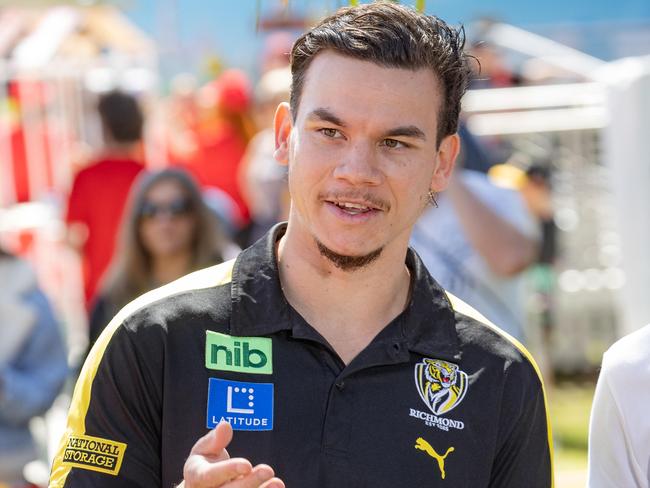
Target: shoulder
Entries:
(479, 336)
(629, 357)
(88, 171)
(206, 291)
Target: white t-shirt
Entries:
(439, 239)
(619, 429)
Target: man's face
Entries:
(362, 154)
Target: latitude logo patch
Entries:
(423, 445)
(246, 406)
(238, 354)
(441, 385)
(94, 454)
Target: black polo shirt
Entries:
(436, 399)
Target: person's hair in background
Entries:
(394, 37)
(121, 117)
(167, 231)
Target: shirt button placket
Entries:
(336, 433)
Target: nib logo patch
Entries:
(239, 354)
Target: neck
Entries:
(348, 308)
(170, 268)
(131, 150)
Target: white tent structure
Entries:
(627, 152)
(593, 125)
(70, 54)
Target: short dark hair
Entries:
(121, 116)
(393, 36)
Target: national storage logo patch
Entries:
(94, 454)
(239, 354)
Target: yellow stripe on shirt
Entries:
(460, 306)
(214, 276)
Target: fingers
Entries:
(210, 466)
(200, 472)
(261, 476)
(212, 443)
(273, 483)
(233, 473)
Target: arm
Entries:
(524, 456)
(30, 383)
(612, 460)
(506, 250)
(113, 431)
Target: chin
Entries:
(348, 261)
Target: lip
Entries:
(350, 218)
(363, 203)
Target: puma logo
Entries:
(423, 445)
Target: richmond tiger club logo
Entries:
(442, 387)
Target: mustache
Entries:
(356, 196)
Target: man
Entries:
(326, 346)
(619, 431)
(99, 191)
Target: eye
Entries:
(393, 143)
(329, 132)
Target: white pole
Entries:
(7, 183)
(627, 150)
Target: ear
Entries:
(282, 124)
(445, 162)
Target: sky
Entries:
(188, 32)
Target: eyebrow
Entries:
(411, 131)
(407, 131)
(325, 115)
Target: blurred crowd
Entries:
(137, 224)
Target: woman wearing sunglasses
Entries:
(167, 232)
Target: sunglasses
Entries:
(175, 208)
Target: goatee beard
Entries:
(348, 263)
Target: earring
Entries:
(432, 198)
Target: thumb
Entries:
(215, 441)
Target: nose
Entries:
(358, 165)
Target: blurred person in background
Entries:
(534, 186)
(494, 71)
(99, 191)
(478, 241)
(167, 232)
(263, 180)
(619, 427)
(181, 119)
(276, 49)
(224, 130)
(33, 365)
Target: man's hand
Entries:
(210, 466)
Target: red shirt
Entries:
(97, 199)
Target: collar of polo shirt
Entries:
(425, 327)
